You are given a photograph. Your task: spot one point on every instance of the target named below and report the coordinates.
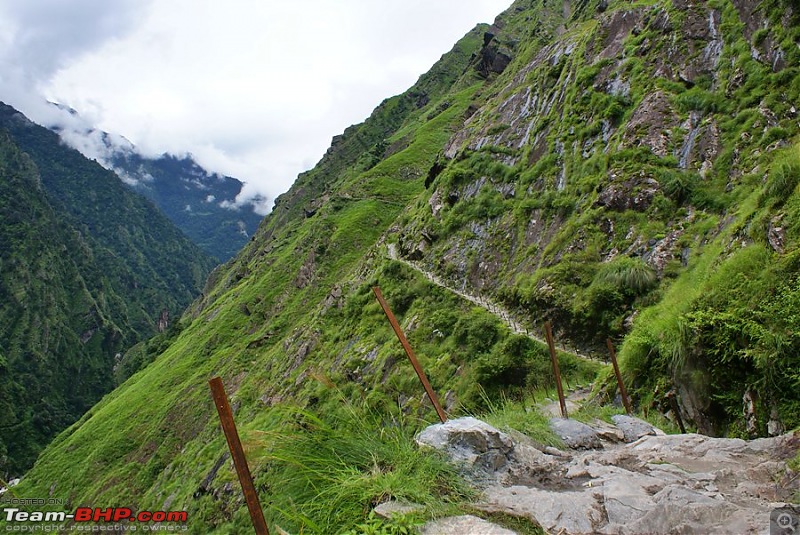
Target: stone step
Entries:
(463, 525)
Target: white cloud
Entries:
(38, 37)
(252, 89)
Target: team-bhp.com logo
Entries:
(114, 515)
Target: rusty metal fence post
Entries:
(622, 392)
(414, 362)
(548, 332)
(237, 453)
(673, 402)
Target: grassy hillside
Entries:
(592, 166)
(635, 178)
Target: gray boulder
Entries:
(633, 428)
(470, 441)
(575, 434)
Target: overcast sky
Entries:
(252, 88)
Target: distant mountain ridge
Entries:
(87, 269)
(201, 203)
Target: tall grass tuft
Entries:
(325, 474)
(508, 415)
(784, 175)
(630, 273)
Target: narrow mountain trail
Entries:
(622, 478)
(498, 311)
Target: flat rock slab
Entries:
(393, 508)
(692, 511)
(556, 512)
(464, 525)
(633, 428)
(575, 434)
(658, 483)
(688, 484)
(470, 441)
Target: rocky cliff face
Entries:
(632, 138)
(623, 170)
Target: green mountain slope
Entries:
(622, 169)
(54, 332)
(88, 270)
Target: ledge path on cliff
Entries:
(513, 323)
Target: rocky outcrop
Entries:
(765, 48)
(776, 234)
(163, 320)
(575, 434)
(494, 57)
(629, 193)
(306, 273)
(654, 484)
(649, 123)
(633, 428)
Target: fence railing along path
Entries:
(513, 323)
